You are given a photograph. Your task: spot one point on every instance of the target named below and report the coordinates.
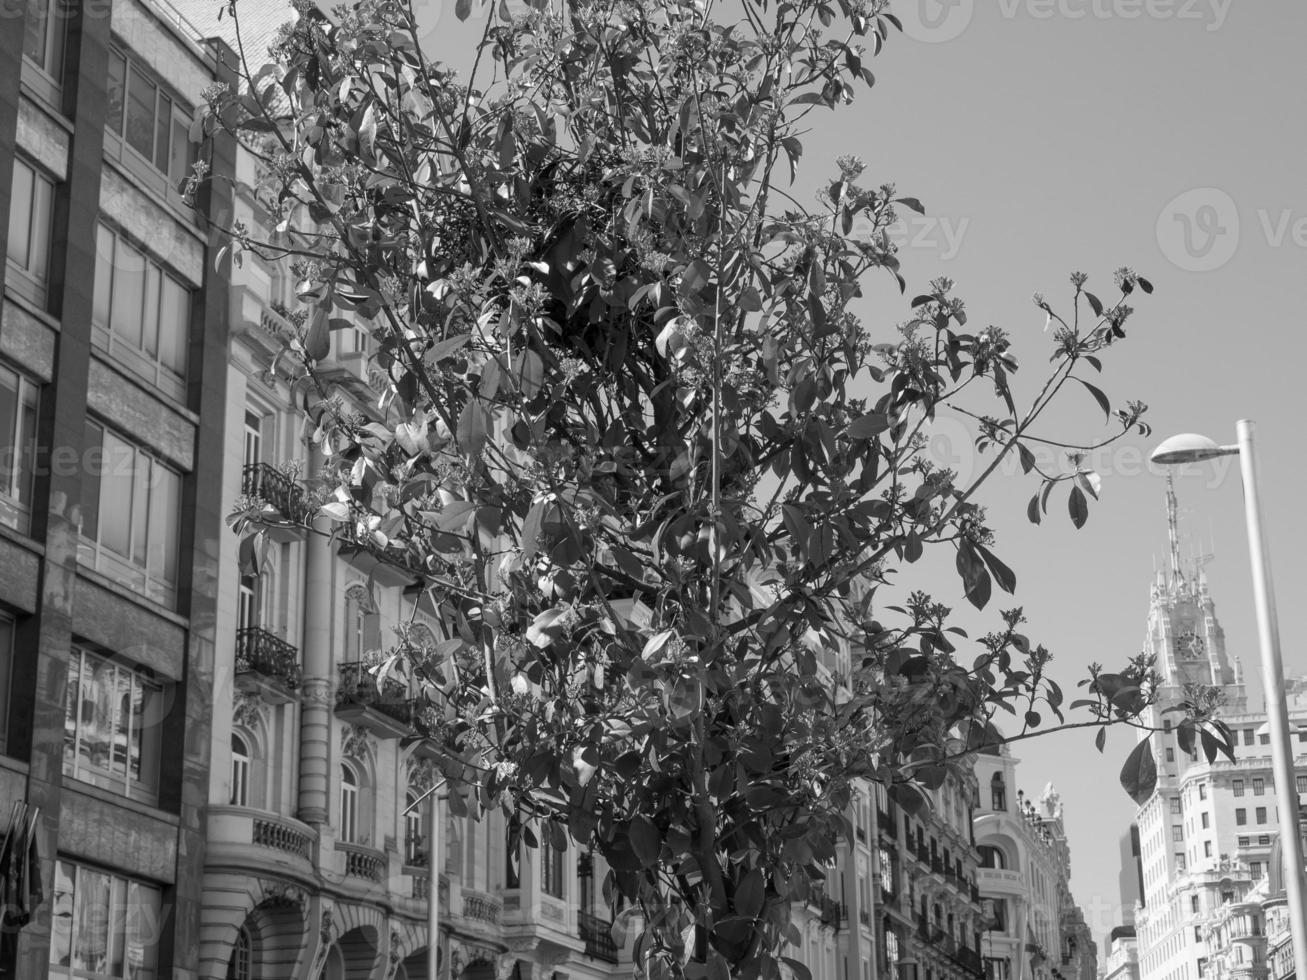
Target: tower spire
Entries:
(1172, 526)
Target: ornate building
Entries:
(1035, 929)
(1207, 830)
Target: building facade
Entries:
(113, 359)
(1035, 930)
(1207, 831)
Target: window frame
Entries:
(156, 280)
(350, 791)
(241, 767)
(143, 576)
(150, 736)
(16, 498)
(118, 890)
(165, 141)
(53, 42)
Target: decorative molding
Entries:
(247, 711)
(284, 894)
(355, 742)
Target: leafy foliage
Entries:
(638, 447)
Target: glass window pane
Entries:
(9, 436)
(72, 710)
(165, 508)
(116, 484)
(20, 215)
(140, 508)
(144, 930)
(38, 262)
(174, 325)
(92, 471)
(146, 725)
(128, 293)
(141, 94)
(61, 915)
(99, 706)
(163, 123)
(25, 477)
(150, 313)
(122, 731)
(117, 92)
(117, 926)
(179, 166)
(103, 274)
(34, 30)
(91, 914)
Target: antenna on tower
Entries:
(1172, 527)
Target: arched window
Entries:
(414, 843)
(238, 967)
(349, 804)
(362, 624)
(991, 857)
(240, 771)
(997, 792)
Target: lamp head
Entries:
(1188, 448)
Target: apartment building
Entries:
(113, 357)
(1035, 930)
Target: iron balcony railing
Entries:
(270, 484)
(359, 687)
(264, 653)
(597, 935)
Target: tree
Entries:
(638, 445)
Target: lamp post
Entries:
(1191, 448)
(434, 852)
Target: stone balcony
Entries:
(266, 665)
(364, 863)
(261, 841)
(385, 709)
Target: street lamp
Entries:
(1190, 448)
(434, 852)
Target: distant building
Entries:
(1122, 962)
(1206, 832)
(1035, 930)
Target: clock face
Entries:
(1189, 645)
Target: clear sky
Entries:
(1046, 136)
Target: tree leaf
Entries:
(1099, 397)
(750, 894)
(462, 9)
(1139, 774)
(1078, 506)
(1094, 304)
(868, 426)
(1007, 580)
(473, 428)
(1033, 510)
(646, 842)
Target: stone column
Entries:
(319, 683)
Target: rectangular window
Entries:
(1261, 814)
(1264, 839)
(1264, 739)
(1240, 817)
(1177, 834)
(6, 673)
(1238, 787)
(1193, 903)
(1179, 861)
(1207, 848)
(1259, 786)
(551, 869)
(1170, 754)
(1245, 841)
(1301, 784)
(143, 311)
(1198, 934)
(30, 215)
(18, 400)
(1206, 820)
(147, 119)
(1175, 804)
(1202, 791)
(112, 720)
(1255, 869)
(102, 925)
(1249, 736)
(130, 515)
(43, 36)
